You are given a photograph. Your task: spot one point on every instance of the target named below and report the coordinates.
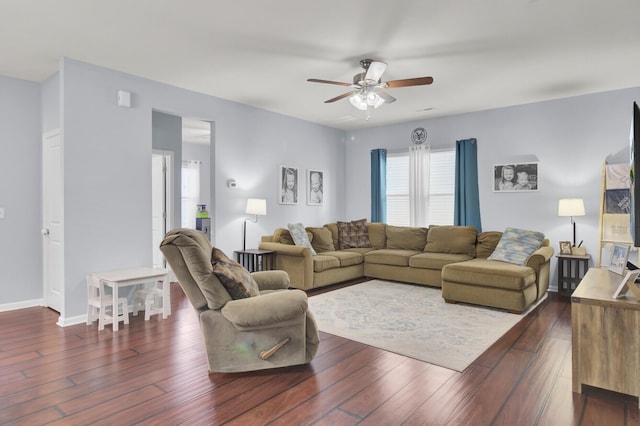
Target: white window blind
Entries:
(441, 188)
(398, 189)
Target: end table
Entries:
(256, 260)
(570, 272)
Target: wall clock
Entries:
(419, 135)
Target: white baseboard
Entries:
(65, 322)
(62, 322)
(21, 305)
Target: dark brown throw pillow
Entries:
(353, 234)
(237, 280)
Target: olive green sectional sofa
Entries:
(452, 257)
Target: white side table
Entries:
(136, 276)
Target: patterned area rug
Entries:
(411, 320)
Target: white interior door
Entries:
(160, 200)
(53, 215)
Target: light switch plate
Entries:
(1, 212)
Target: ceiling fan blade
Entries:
(339, 83)
(337, 98)
(387, 97)
(419, 81)
(375, 71)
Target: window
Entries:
(398, 189)
(441, 188)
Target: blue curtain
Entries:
(466, 208)
(379, 185)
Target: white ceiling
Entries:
(481, 54)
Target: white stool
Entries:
(98, 302)
(151, 299)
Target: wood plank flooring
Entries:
(155, 373)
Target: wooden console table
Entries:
(604, 335)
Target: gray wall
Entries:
(20, 183)
(570, 138)
(51, 103)
(107, 154)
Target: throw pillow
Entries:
(516, 245)
(487, 242)
(282, 236)
(322, 239)
(300, 237)
(237, 280)
(353, 234)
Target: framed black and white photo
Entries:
(315, 187)
(288, 185)
(565, 247)
(515, 177)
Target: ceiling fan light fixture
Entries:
(365, 99)
(358, 101)
(374, 100)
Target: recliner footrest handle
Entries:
(268, 353)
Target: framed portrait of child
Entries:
(315, 187)
(288, 185)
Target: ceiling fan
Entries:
(369, 86)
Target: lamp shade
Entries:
(256, 206)
(571, 207)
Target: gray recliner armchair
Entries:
(272, 329)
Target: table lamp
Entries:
(571, 207)
(256, 207)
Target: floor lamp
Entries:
(256, 207)
(571, 207)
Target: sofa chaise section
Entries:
(498, 284)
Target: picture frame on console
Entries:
(565, 247)
(315, 187)
(288, 185)
(626, 284)
(619, 256)
(522, 177)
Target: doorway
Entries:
(161, 201)
(177, 139)
(53, 221)
(196, 159)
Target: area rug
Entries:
(411, 320)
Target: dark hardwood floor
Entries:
(156, 373)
